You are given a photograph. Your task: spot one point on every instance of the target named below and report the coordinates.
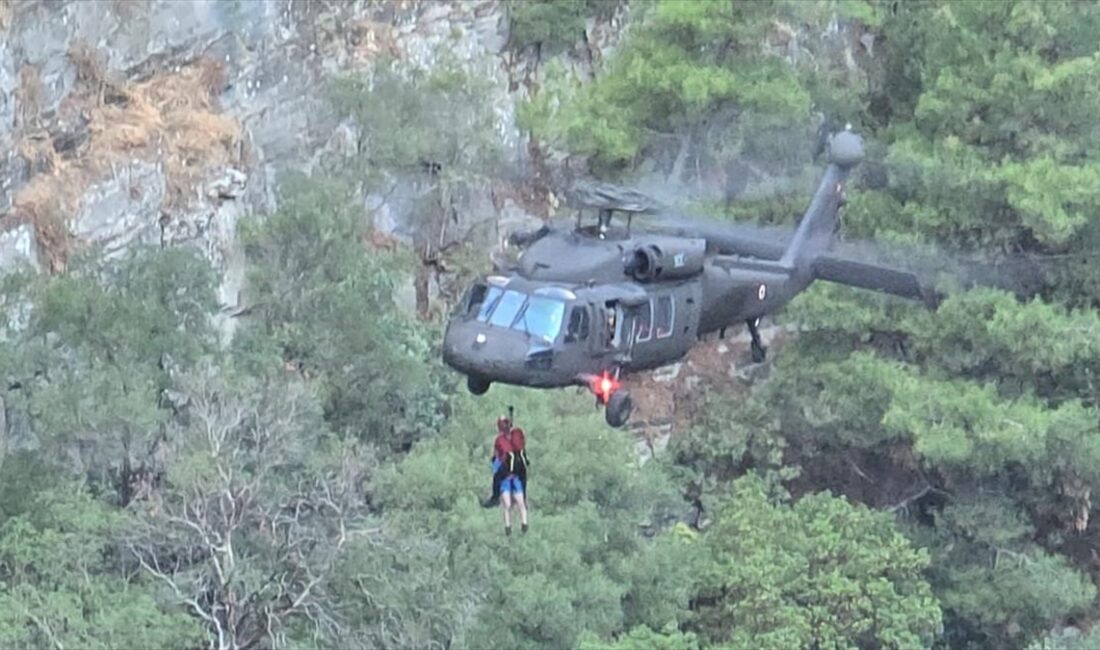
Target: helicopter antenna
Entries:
(604, 221)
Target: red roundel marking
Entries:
(762, 292)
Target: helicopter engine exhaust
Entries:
(672, 261)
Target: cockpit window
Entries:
(475, 298)
(662, 319)
(578, 325)
(542, 317)
(491, 299)
(507, 308)
(644, 322)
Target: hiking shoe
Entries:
(507, 531)
(524, 529)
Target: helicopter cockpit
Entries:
(539, 314)
(514, 330)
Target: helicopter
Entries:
(587, 306)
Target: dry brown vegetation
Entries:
(368, 40)
(674, 401)
(29, 96)
(360, 39)
(172, 117)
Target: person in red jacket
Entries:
(509, 463)
(501, 448)
(519, 456)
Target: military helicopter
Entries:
(588, 305)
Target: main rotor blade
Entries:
(728, 238)
(606, 196)
(928, 265)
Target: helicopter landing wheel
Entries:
(477, 385)
(619, 407)
(759, 352)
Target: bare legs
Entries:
(507, 499)
(521, 503)
(506, 508)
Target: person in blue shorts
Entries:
(510, 463)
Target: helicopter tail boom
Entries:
(874, 277)
(815, 231)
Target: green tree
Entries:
(327, 306)
(981, 124)
(586, 564)
(546, 25)
(999, 101)
(1067, 639)
(668, 638)
(257, 505)
(816, 573)
(682, 62)
(399, 588)
(433, 131)
(997, 587)
(97, 354)
(63, 583)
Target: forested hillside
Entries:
(896, 477)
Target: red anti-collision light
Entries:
(603, 386)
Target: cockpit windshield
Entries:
(539, 316)
(488, 303)
(542, 317)
(507, 308)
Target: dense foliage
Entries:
(905, 478)
(977, 422)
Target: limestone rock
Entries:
(18, 248)
(122, 210)
(8, 85)
(667, 373)
(14, 171)
(229, 185)
(20, 434)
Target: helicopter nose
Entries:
(459, 341)
(492, 353)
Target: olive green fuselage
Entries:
(612, 321)
(599, 301)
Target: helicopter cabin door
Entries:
(617, 336)
(662, 329)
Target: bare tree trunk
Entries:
(242, 560)
(421, 283)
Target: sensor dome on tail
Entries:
(846, 149)
(815, 231)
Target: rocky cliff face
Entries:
(164, 122)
